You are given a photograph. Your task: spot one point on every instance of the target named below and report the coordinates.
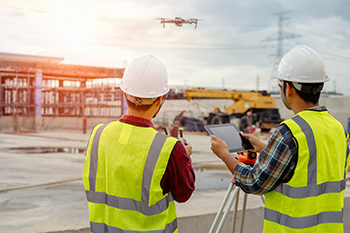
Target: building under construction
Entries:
(38, 93)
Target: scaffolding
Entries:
(32, 86)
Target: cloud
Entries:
(14, 12)
(227, 44)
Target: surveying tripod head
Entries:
(247, 157)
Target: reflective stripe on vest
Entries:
(347, 155)
(128, 203)
(101, 227)
(304, 222)
(311, 190)
(94, 157)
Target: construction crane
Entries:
(249, 107)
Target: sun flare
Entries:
(76, 34)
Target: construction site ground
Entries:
(41, 189)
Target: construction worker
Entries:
(302, 169)
(132, 173)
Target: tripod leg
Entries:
(243, 211)
(263, 199)
(233, 197)
(230, 187)
(235, 213)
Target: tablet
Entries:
(230, 134)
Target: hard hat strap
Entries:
(282, 88)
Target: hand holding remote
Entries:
(246, 143)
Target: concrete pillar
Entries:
(82, 98)
(2, 94)
(61, 94)
(37, 92)
(37, 99)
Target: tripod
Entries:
(235, 196)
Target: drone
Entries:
(178, 21)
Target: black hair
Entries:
(313, 94)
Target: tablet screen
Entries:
(229, 133)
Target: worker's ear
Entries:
(158, 101)
(289, 89)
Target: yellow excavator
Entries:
(250, 107)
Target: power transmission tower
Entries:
(280, 37)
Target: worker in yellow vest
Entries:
(132, 173)
(302, 169)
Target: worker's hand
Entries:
(188, 147)
(219, 147)
(258, 145)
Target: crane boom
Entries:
(260, 104)
(244, 100)
(193, 93)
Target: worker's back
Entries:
(122, 175)
(314, 197)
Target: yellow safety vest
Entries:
(313, 200)
(122, 173)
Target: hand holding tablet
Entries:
(231, 135)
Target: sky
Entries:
(234, 45)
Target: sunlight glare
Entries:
(76, 34)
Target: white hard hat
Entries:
(302, 65)
(145, 77)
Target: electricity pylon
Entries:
(279, 38)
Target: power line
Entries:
(321, 35)
(184, 45)
(341, 75)
(217, 48)
(334, 59)
(336, 55)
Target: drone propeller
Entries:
(161, 18)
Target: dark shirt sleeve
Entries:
(179, 176)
